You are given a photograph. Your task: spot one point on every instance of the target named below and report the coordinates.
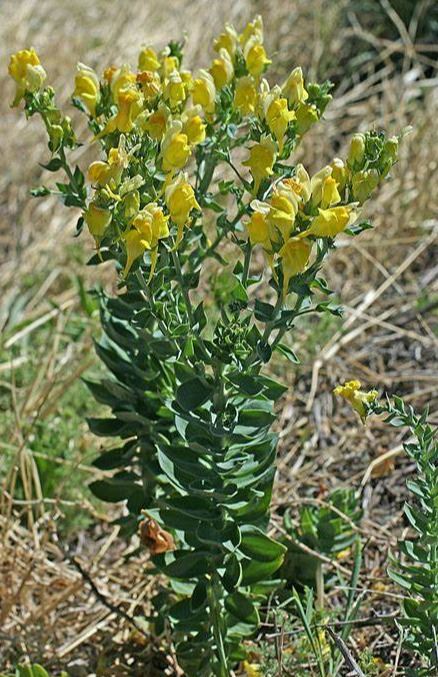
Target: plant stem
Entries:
(215, 612)
(185, 293)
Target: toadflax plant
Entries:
(192, 188)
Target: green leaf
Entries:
(193, 393)
(54, 165)
(256, 545)
(287, 352)
(242, 608)
(115, 489)
(233, 573)
(263, 311)
(254, 571)
(181, 564)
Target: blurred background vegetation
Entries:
(382, 56)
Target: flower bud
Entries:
(356, 152)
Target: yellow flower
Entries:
(25, 68)
(295, 255)
(101, 173)
(169, 64)
(317, 183)
(175, 91)
(251, 669)
(363, 183)
(330, 222)
(97, 219)
(294, 88)
(356, 152)
(255, 57)
(204, 91)
(257, 226)
(261, 160)
(277, 115)
(150, 84)
(129, 107)
(156, 122)
(87, 87)
(222, 69)
(136, 244)
(330, 194)
(193, 125)
(175, 148)
(254, 28)
(227, 40)
(307, 115)
(151, 225)
(283, 210)
(148, 60)
(245, 95)
(122, 79)
(358, 399)
(300, 184)
(180, 200)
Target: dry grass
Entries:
(387, 279)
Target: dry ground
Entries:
(387, 280)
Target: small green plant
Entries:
(195, 175)
(327, 529)
(415, 568)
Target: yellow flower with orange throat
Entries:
(261, 160)
(175, 148)
(150, 84)
(204, 91)
(155, 123)
(180, 200)
(359, 399)
(25, 68)
(123, 78)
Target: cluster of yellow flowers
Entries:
(172, 107)
(359, 399)
(175, 109)
(300, 207)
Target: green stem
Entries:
(246, 263)
(188, 303)
(215, 612)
